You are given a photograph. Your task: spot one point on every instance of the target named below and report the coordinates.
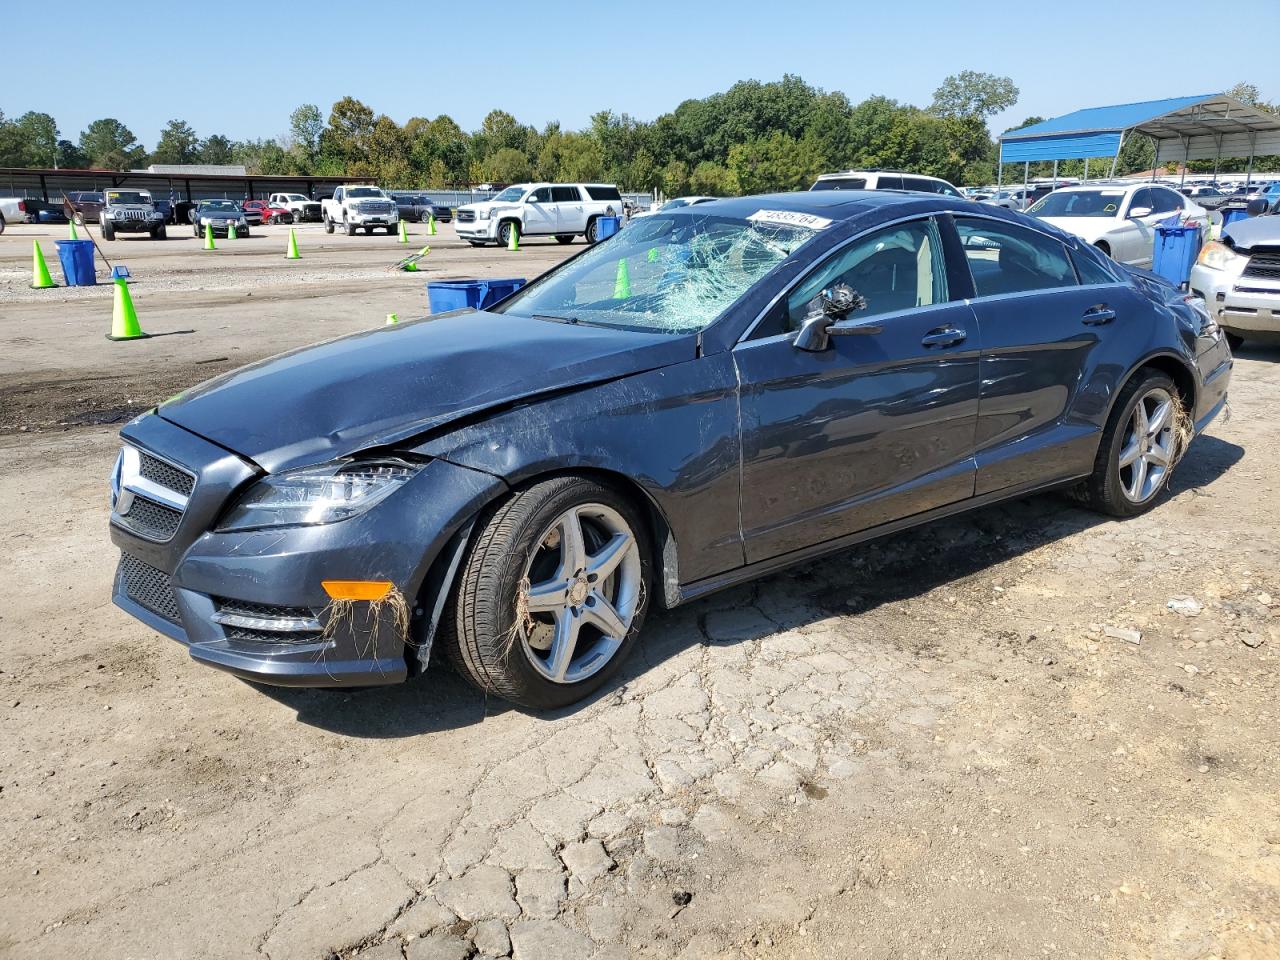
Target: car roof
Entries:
(832, 204)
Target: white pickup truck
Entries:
(561, 210)
(300, 205)
(353, 206)
(12, 210)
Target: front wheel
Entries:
(564, 238)
(1146, 434)
(350, 228)
(504, 233)
(552, 595)
(328, 224)
(158, 233)
(108, 231)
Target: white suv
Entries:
(560, 210)
(885, 180)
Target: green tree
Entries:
(346, 139)
(71, 157)
(305, 127)
(1246, 93)
(973, 94)
(178, 143)
(215, 149)
(711, 180)
(388, 154)
(261, 157)
(110, 145)
(508, 165)
(776, 162)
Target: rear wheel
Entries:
(564, 238)
(1139, 448)
(552, 594)
(593, 230)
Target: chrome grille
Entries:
(1263, 266)
(148, 587)
(375, 206)
(466, 216)
(248, 608)
(153, 520)
(266, 622)
(268, 636)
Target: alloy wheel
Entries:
(583, 593)
(1147, 453)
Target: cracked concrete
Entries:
(926, 744)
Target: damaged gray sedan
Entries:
(706, 397)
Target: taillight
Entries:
(22, 206)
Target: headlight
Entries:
(241, 222)
(314, 495)
(483, 214)
(1218, 256)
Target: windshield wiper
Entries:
(575, 321)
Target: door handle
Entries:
(1097, 316)
(943, 337)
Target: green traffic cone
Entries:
(293, 246)
(514, 242)
(431, 225)
(231, 231)
(71, 229)
(653, 254)
(404, 234)
(622, 282)
(392, 319)
(208, 237)
(124, 321)
(40, 279)
(410, 267)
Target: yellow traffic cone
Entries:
(622, 282)
(514, 242)
(231, 231)
(71, 229)
(40, 279)
(392, 319)
(124, 321)
(431, 225)
(404, 234)
(208, 237)
(293, 246)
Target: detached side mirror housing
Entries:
(821, 321)
(1137, 213)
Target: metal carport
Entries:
(1206, 127)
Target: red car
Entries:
(268, 213)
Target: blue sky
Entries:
(550, 59)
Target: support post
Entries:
(1186, 154)
(1116, 158)
(999, 163)
(1086, 169)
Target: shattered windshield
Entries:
(669, 273)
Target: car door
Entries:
(1137, 234)
(540, 212)
(875, 426)
(570, 208)
(1043, 332)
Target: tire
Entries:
(522, 539)
(564, 238)
(159, 233)
(424, 216)
(243, 232)
(1112, 488)
(2, 223)
(1234, 340)
(108, 231)
(391, 231)
(328, 224)
(476, 243)
(349, 227)
(504, 232)
(593, 231)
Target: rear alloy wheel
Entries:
(552, 595)
(593, 230)
(1139, 448)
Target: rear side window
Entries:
(889, 181)
(841, 183)
(1005, 258)
(1166, 201)
(604, 193)
(565, 194)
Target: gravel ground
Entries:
(1025, 731)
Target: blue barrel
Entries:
(76, 257)
(1175, 251)
(445, 295)
(1231, 216)
(606, 227)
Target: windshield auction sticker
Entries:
(791, 218)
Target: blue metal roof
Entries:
(1092, 132)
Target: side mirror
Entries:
(1137, 213)
(824, 312)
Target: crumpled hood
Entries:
(386, 385)
(1254, 231)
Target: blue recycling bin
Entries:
(1176, 249)
(1231, 216)
(606, 227)
(445, 295)
(76, 257)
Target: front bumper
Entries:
(373, 219)
(136, 226)
(1243, 305)
(179, 586)
(219, 227)
(476, 229)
